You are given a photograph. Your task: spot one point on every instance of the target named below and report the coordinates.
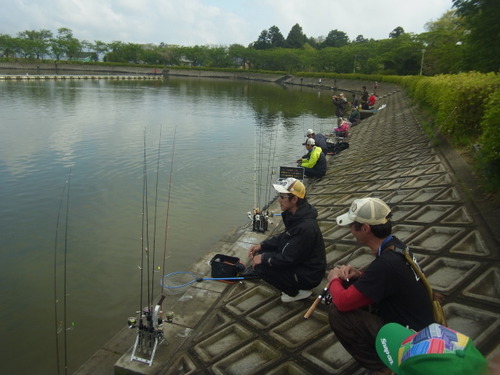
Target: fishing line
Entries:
(165, 252)
(255, 178)
(260, 168)
(56, 300)
(271, 164)
(144, 230)
(155, 213)
(65, 310)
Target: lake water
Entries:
(209, 145)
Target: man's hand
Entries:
(254, 250)
(256, 260)
(344, 273)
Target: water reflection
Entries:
(226, 133)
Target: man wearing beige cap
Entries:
(293, 261)
(388, 290)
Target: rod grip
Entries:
(161, 300)
(312, 308)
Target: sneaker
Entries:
(301, 295)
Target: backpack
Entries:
(437, 309)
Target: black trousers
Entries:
(311, 172)
(285, 279)
(357, 330)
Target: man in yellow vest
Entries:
(314, 162)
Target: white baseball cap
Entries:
(372, 211)
(310, 142)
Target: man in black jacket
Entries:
(293, 261)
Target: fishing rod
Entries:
(56, 299)
(324, 295)
(165, 243)
(65, 310)
(156, 211)
(61, 325)
(150, 330)
(260, 216)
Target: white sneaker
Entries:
(302, 294)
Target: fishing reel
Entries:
(260, 220)
(149, 333)
(326, 298)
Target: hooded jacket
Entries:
(300, 246)
(314, 159)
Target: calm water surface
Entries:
(113, 136)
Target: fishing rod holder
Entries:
(260, 220)
(149, 335)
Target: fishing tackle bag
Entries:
(226, 266)
(437, 308)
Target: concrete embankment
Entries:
(244, 328)
(22, 71)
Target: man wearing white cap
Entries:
(388, 290)
(319, 139)
(293, 261)
(314, 162)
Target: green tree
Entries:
(100, 48)
(65, 45)
(130, 53)
(481, 43)
(296, 38)
(7, 45)
(271, 38)
(397, 32)
(442, 42)
(263, 41)
(335, 38)
(239, 55)
(360, 39)
(275, 37)
(35, 43)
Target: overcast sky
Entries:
(215, 22)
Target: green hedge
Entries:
(467, 111)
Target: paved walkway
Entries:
(244, 328)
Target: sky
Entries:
(215, 22)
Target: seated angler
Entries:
(388, 290)
(314, 162)
(319, 139)
(355, 116)
(343, 128)
(293, 261)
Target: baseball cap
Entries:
(372, 211)
(310, 142)
(435, 350)
(291, 186)
(309, 132)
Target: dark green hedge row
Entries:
(467, 111)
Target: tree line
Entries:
(463, 39)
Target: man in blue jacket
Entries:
(293, 261)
